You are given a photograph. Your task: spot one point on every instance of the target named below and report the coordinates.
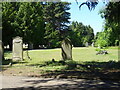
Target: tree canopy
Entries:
(48, 23)
(56, 18)
(112, 21)
(37, 22)
(80, 34)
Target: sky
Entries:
(86, 16)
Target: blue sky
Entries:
(87, 17)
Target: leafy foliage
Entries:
(31, 22)
(102, 40)
(56, 18)
(22, 19)
(8, 16)
(80, 34)
(36, 22)
(112, 22)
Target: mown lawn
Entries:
(89, 54)
(80, 54)
(85, 64)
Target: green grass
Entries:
(89, 54)
(41, 56)
(80, 55)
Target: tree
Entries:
(110, 13)
(80, 34)
(36, 22)
(30, 21)
(102, 39)
(9, 11)
(75, 33)
(112, 18)
(25, 20)
(56, 18)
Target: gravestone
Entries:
(17, 48)
(30, 46)
(86, 44)
(93, 44)
(66, 47)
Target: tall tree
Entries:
(9, 11)
(56, 18)
(25, 20)
(112, 21)
(30, 21)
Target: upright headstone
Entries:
(93, 44)
(66, 49)
(17, 48)
(86, 44)
(30, 46)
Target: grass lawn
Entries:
(81, 55)
(89, 54)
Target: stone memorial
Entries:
(66, 47)
(86, 44)
(93, 44)
(30, 46)
(17, 50)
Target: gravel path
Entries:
(32, 83)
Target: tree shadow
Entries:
(90, 66)
(103, 65)
(7, 63)
(49, 63)
(87, 70)
(95, 76)
(10, 61)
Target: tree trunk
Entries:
(1, 52)
(119, 51)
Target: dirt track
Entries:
(31, 83)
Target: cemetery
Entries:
(51, 61)
(43, 47)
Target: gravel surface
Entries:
(35, 83)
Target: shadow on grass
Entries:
(87, 70)
(73, 65)
(9, 61)
(102, 65)
(49, 63)
(6, 61)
